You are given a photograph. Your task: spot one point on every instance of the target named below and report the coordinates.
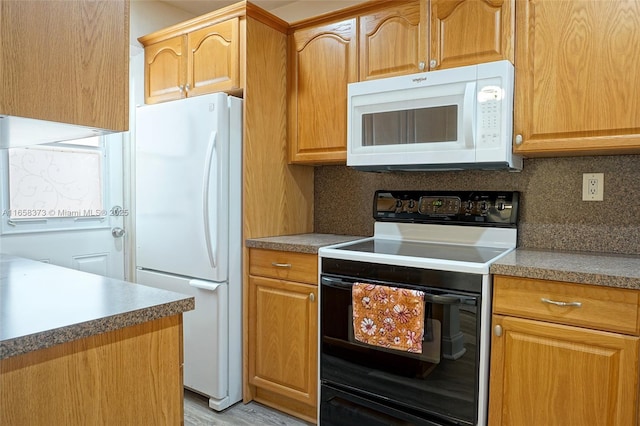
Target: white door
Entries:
(63, 204)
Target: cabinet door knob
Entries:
(187, 87)
(497, 330)
(422, 65)
(518, 139)
(312, 297)
(181, 87)
(433, 63)
(281, 265)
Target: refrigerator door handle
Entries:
(212, 251)
(204, 285)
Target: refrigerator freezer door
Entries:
(206, 335)
(182, 181)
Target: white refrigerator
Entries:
(188, 165)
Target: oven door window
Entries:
(442, 380)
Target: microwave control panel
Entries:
(490, 98)
(490, 208)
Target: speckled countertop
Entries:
(42, 305)
(610, 270)
(301, 243)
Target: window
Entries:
(54, 186)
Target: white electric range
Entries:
(441, 243)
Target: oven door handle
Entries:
(335, 282)
(442, 300)
(449, 299)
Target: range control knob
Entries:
(412, 204)
(469, 205)
(484, 206)
(500, 206)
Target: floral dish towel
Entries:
(389, 317)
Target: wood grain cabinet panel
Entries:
(165, 70)
(561, 375)
(283, 336)
(551, 360)
(214, 58)
(290, 266)
(194, 60)
(129, 376)
(66, 61)
(466, 32)
(392, 41)
(322, 61)
(577, 92)
(542, 300)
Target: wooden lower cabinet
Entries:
(129, 376)
(283, 324)
(548, 373)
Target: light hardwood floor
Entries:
(198, 413)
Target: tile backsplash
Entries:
(552, 213)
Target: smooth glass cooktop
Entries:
(448, 252)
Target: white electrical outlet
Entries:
(592, 186)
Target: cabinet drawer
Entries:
(601, 308)
(284, 265)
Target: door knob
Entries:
(117, 232)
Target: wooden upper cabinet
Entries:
(577, 88)
(466, 32)
(393, 41)
(322, 61)
(214, 58)
(66, 61)
(165, 70)
(193, 58)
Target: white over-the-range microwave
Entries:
(452, 119)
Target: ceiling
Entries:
(290, 10)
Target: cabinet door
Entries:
(577, 91)
(214, 58)
(465, 32)
(322, 62)
(561, 375)
(283, 338)
(392, 41)
(66, 61)
(165, 70)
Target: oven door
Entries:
(440, 384)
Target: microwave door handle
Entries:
(469, 113)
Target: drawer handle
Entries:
(553, 302)
(281, 265)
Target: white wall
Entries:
(147, 16)
(303, 9)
